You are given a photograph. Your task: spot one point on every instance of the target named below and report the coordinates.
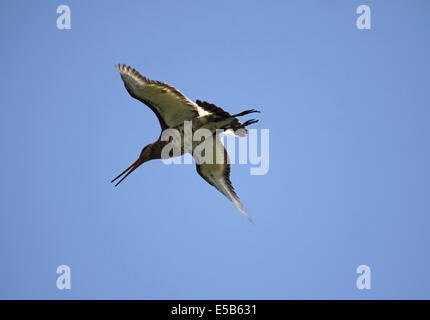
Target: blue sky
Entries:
(348, 184)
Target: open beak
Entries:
(129, 170)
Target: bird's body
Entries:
(177, 114)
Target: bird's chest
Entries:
(186, 137)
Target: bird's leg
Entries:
(243, 113)
(129, 170)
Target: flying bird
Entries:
(173, 109)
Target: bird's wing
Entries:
(217, 171)
(171, 106)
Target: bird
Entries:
(173, 110)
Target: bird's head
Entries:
(147, 153)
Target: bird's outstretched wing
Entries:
(169, 104)
(216, 171)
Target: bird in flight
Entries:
(173, 111)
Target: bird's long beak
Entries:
(129, 170)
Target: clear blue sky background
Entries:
(348, 113)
